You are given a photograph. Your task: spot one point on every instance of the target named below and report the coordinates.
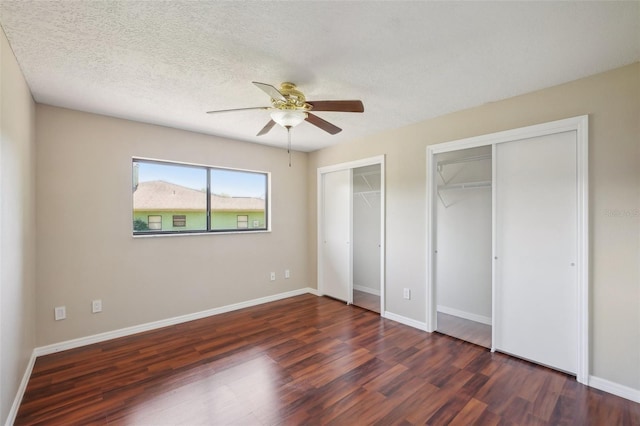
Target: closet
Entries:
(507, 244)
(351, 232)
(366, 236)
(463, 233)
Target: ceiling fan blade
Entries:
(323, 124)
(340, 106)
(266, 128)
(270, 90)
(236, 109)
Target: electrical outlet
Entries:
(273, 276)
(407, 293)
(60, 312)
(96, 306)
(287, 273)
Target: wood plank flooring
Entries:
(305, 360)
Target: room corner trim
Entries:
(13, 412)
(615, 388)
(313, 291)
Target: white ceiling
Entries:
(169, 62)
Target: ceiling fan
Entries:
(289, 108)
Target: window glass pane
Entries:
(243, 221)
(162, 191)
(179, 220)
(154, 222)
(238, 193)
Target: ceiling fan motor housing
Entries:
(294, 99)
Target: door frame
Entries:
(350, 165)
(578, 124)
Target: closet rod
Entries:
(466, 185)
(374, 172)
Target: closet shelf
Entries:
(465, 185)
(446, 183)
(464, 160)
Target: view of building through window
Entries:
(181, 198)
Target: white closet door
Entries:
(536, 247)
(336, 249)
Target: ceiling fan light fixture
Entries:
(288, 118)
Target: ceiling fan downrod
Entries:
(289, 143)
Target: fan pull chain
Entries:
(289, 143)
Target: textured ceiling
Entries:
(169, 62)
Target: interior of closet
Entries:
(366, 236)
(464, 244)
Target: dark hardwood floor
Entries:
(305, 360)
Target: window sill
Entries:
(189, 234)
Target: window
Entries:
(237, 192)
(179, 220)
(243, 221)
(197, 198)
(154, 222)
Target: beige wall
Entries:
(17, 226)
(612, 100)
(85, 247)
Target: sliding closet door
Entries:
(536, 248)
(336, 235)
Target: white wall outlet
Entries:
(407, 293)
(287, 273)
(60, 312)
(96, 306)
(273, 276)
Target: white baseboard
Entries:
(466, 315)
(596, 382)
(615, 388)
(88, 340)
(313, 291)
(406, 321)
(101, 337)
(374, 291)
(13, 412)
